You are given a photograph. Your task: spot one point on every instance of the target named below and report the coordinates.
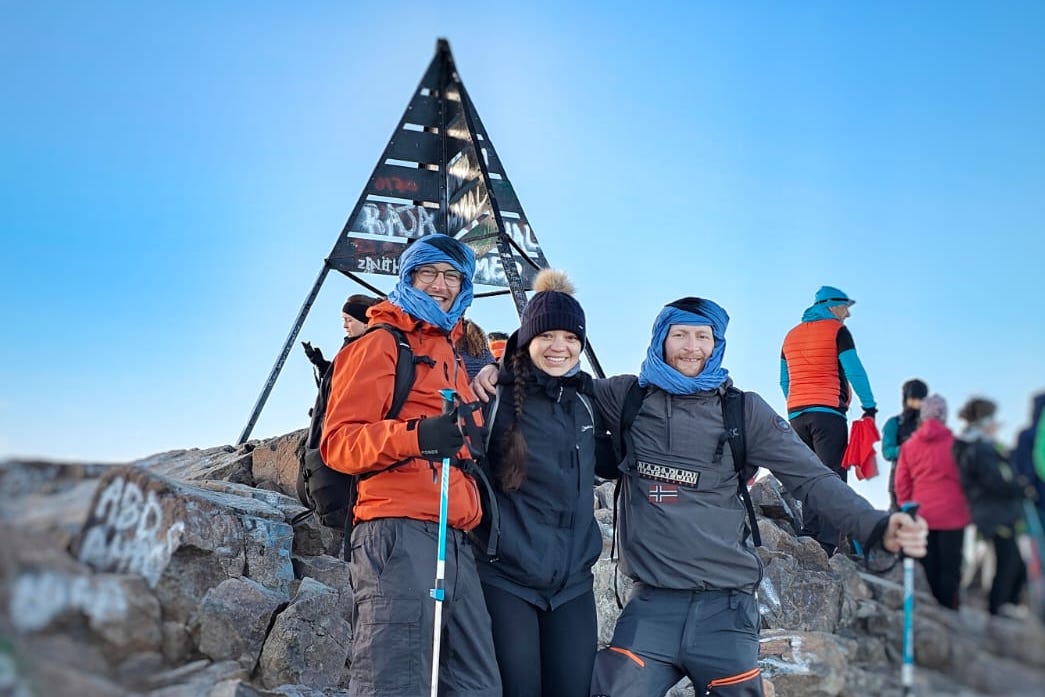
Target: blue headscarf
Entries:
(433, 249)
(694, 312)
(826, 298)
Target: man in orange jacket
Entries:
(818, 362)
(394, 540)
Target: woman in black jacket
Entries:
(995, 498)
(541, 458)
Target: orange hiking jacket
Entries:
(358, 439)
(811, 352)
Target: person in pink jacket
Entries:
(926, 473)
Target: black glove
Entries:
(871, 412)
(315, 355)
(439, 437)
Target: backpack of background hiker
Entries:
(327, 493)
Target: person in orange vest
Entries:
(498, 341)
(818, 363)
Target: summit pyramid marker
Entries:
(440, 173)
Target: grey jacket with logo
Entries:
(681, 523)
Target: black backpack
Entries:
(732, 417)
(328, 494)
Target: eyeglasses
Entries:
(451, 277)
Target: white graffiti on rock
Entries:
(37, 598)
(129, 535)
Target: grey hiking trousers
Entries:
(663, 635)
(393, 571)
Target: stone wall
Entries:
(183, 574)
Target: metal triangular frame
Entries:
(438, 173)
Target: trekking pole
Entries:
(438, 592)
(907, 671)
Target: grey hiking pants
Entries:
(662, 635)
(393, 571)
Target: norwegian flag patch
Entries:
(663, 493)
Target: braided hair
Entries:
(510, 468)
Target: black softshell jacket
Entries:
(549, 539)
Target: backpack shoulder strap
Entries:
(733, 419)
(630, 408)
(406, 368)
(489, 415)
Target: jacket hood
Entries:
(387, 313)
(930, 431)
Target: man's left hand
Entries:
(906, 534)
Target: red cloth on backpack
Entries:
(860, 452)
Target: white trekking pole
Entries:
(438, 592)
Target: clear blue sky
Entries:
(173, 174)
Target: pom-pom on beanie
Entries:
(552, 307)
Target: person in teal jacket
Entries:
(900, 427)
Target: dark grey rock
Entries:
(309, 642)
(331, 572)
(234, 619)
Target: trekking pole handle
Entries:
(449, 396)
(911, 509)
(449, 404)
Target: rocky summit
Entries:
(185, 575)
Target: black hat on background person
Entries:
(552, 307)
(353, 314)
(357, 305)
(914, 389)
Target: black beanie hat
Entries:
(357, 305)
(915, 389)
(553, 307)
